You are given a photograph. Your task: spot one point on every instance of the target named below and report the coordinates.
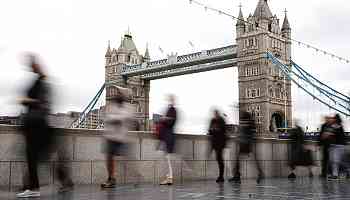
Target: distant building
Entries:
(94, 119)
(11, 120)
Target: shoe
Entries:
(259, 179)
(332, 178)
(28, 193)
(292, 176)
(235, 179)
(311, 175)
(167, 181)
(220, 180)
(110, 183)
(66, 188)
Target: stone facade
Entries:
(127, 53)
(263, 89)
(80, 151)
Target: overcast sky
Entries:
(71, 37)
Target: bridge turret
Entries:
(108, 55)
(240, 26)
(146, 57)
(287, 33)
(286, 30)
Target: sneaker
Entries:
(110, 183)
(66, 188)
(333, 178)
(311, 175)
(28, 193)
(292, 176)
(259, 179)
(220, 180)
(235, 179)
(167, 181)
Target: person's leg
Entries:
(168, 157)
(32, 159)
(257, 163)
(236, 169)
(110, 164)
(169, 178)
(258, 166)
(325, 161)
(292, 171)
(221, 164)
(335, 161)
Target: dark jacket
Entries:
(38, 111)
(337, 130)
(217, 130)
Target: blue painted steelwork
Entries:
(328, 96)
(78, 122)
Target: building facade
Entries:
(127, 53)
(264, 91)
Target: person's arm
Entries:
(210, 131)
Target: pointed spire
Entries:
(240, 20)
(286, 25)
(109, 52)
(147, 52)
(262, 10)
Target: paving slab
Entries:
(269, 189)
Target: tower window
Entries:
(253, 93)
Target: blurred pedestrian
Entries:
(167, 137)
(35, 125)
(217, 131)
(337, 141)
(117, 123)
(247, 139)
(301, 156)
(325, 143)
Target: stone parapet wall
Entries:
(80, 150)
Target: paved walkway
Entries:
(302, 188)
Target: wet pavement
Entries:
(303, 188)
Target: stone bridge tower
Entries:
(263, 91)
(127, 53)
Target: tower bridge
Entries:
(262, 89)
(262, 55)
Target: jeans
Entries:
(336, 154)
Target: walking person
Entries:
(246, 141)
(217, 131)
(325, 144)
(337, 145)
(117, 123)
(35, 125)
(300, 155)
(167, 137)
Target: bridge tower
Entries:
(127, 53)
(263, 90)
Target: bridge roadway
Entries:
(302, 188)
(175, 65)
